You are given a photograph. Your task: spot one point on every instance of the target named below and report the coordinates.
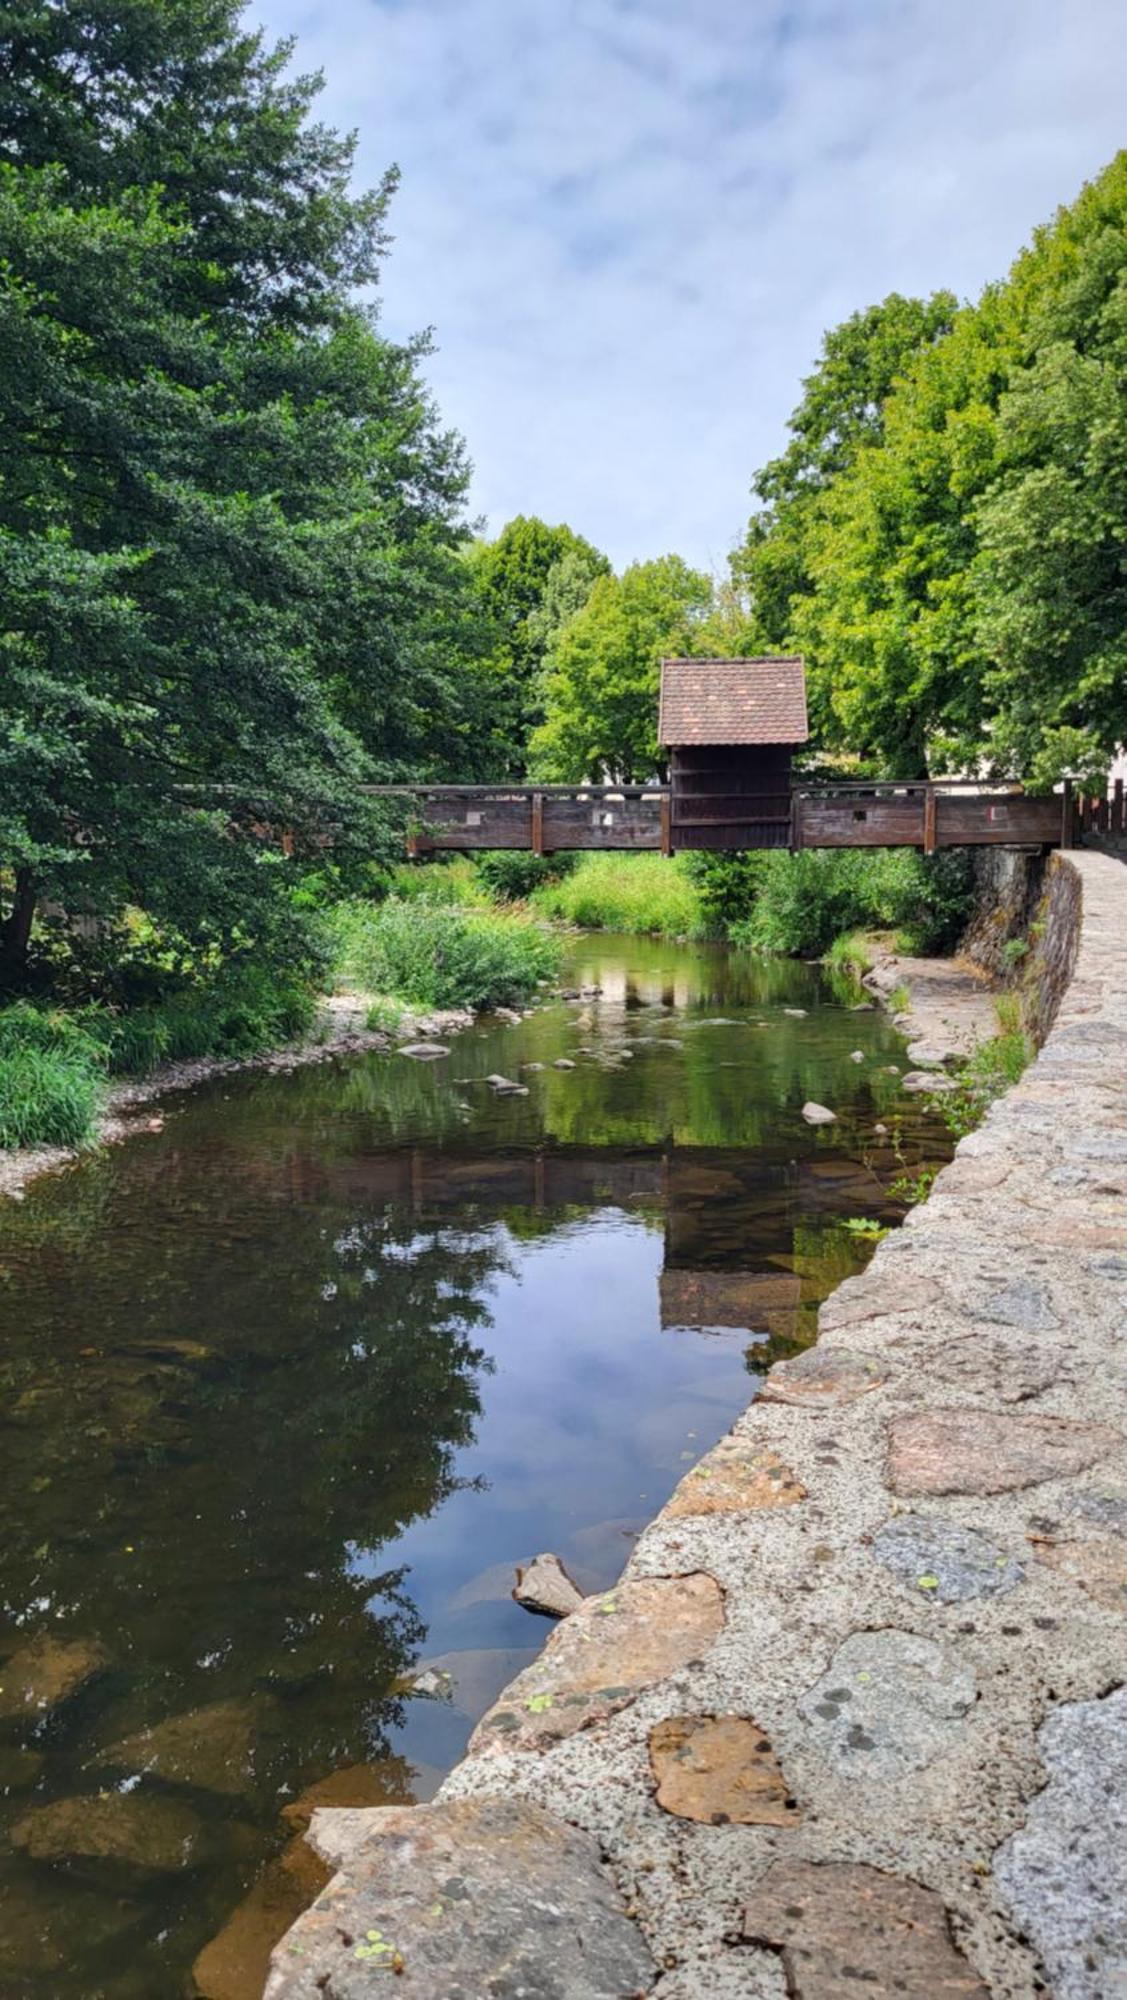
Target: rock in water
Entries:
(424, 1051)
(210, 1749)
(563, 1062)
(43, 1675)
(131, 1831)
(545, 1586)
(818, 1114)
(235, 1964)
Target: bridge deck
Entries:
(930, 815)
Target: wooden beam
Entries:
(666, 825)
(929, 820)
(1118, 823)
(1067, 812)
(538, 822)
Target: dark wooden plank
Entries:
(997, 821)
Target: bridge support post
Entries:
(666, 825)
(538, 822)
(929, 820)
(1066, 814)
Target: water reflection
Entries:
(290, 1386)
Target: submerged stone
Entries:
(384, 1784)
(45, 1674)
(943, 1562)
(479, 1896)
(842, 1927)
(719, 1769)
(598, 1659)
(235, 1964)
(424, 1051)
(135, 1832)
(1063, 1875)
(733, 1476)
(888, 1704)
(988, 1451)
(211, 1749)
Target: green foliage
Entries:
(229, 518)
(443, 956)
(806, 900)
(992, 1068)
(443, 882)
(943, 535)
(526, 584)
(643, 893)
(602, 672)
(851, 952)
(727, 885)
(238, 1014)
(510, 875)
(50, 1079)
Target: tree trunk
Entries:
(15, 933)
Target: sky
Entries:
(630, 222)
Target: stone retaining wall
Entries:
(852, 1720)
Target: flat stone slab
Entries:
(943, 1562)
(874, 1295)
(1099, 1566)
(599, 1658)
(843, 1928)
(481, 1896)
(1063, 1875)
(425, 1051)
(719, 1769)
(736, 1475)
(889, 1703)
(1012, 1370)
(45, 1674)
(818, 1114)
(934, 1080)
(987, 1451)
(823, 1378)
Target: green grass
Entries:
(642, 893)
(993, 1067)
(804, 901)
(900, 998)
(441, 956)
(239, 1015)
(50, 1079)
(444, 884)
(852, 952)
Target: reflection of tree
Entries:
(201, 1444)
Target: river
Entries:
(290, 1385)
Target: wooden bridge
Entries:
(930, 814)
(731, 728)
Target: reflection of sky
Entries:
(586, 1419)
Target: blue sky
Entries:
(630, 221)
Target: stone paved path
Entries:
(853, 1721)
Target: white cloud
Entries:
(630, 221)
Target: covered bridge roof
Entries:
(733, 701)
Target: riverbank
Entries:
(340, 1030)
(851, 1711)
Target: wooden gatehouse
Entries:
(730, 727)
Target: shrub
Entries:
(241, 1013)
(50, 1079)
(446, 882)
(808, 899)
(850, 953)
(447, 957)
(645, 893)
(727, 885)
(510, 875)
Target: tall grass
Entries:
(626, 892)
(804, 901)
(436, 956)
(238, 1015)
(990, 1070)
(50, 1079)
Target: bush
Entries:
(510, 875)
(727, 885)
(50, 1079)
(446, 957)
(445, 882)
(240, 1014)
(645, 893)
(806, 900)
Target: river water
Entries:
(288, 1388)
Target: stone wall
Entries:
(1035, 901)
(852, 1721)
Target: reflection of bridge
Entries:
(928, 815)
(729, 1217)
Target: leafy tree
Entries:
(229, 519)
(527, 582)
(602, 673)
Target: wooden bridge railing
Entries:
(924, 813)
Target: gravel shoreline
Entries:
(339, 1031)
